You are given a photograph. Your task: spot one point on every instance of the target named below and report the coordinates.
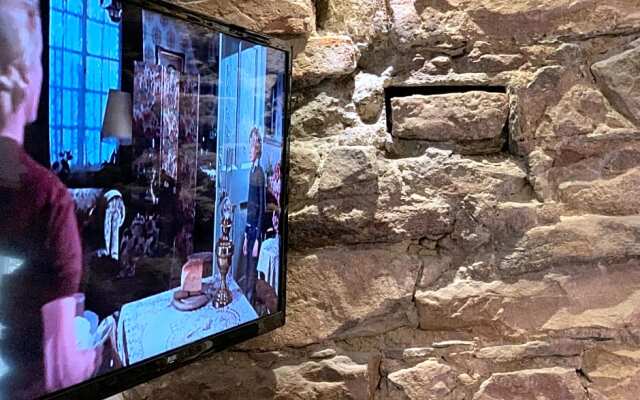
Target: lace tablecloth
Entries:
(152, 326)
(269, 262)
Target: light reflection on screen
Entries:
(8, 265)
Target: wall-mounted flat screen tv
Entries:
(143, 188)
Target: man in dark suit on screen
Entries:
(256, 204)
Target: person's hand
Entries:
(65, 363)
(256, 247)
(87, 362)
(244, 246)
(98, 360)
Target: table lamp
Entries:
(117, 118)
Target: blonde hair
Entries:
(255, 135)
(20, 48)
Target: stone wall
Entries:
(465, 204)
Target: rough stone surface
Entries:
(303, 170)
(325, 57)
(326, 306)
(495, 62)
(397, 200)
(614, 371)
(557, 302)
(488, 246)
(552, 383)
(453, 118)
(271, 16)
(427, 380)
(363, 20)
(263, 376)
(415, 26)
(310, 119)
(368, 96)
(348, 171)
(619, 195)
(619, 77)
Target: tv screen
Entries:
(143, 167)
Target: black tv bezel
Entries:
(124, 378)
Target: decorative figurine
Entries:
(113, 220)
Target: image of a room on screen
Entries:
(155, 219)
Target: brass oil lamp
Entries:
(224, 255)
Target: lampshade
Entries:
(117, 118)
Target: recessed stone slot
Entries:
(322, 13)
(466, 119)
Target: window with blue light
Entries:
(84, 64)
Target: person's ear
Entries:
(14, 85)
(34, 16)
(20, 83)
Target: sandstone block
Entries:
(576, 133)
(619, 78)
(493, 308)
(496, 62)
(526, 21)
(546, 383)
(368, 96)
(333, 293)
(616, 196)
(270, 16)
(320, 115)
(399, 199)
(305, 162)
(613, 370)
(415, 26)
(569, 301)
(325, 57)
(363, 20)
(428, 380)
(580, 240)
(337, 377)
(529, 350)
(348, 171)
(455, 117)
(582, 110)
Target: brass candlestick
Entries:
(224, 255)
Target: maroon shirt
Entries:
(37, 225)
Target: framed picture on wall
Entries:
(170, 59)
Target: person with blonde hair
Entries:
(256, 204)
(38, 346)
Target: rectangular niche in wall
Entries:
(466, 119)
